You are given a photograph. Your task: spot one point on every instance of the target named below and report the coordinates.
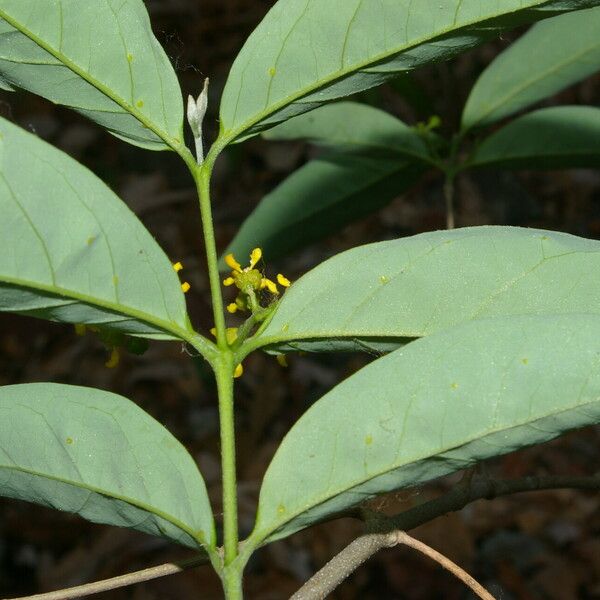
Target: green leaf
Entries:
(413, 287)
(474, 391)
(354, 127)
(73, 252)
(319, 199)
(548, 58)
(549, 138)
(308, 52)
(374, 158)
(99, 58)
(99, 455)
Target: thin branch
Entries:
(470, 491)
(343, 565)
(407, 540)
(384, 529)
(113, 583)
(449, 197)
(356, 553)
(453, 501)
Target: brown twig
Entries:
(113, 583)
(407, 540)
(343, 565)
(455, 500)
(470, 491)
(361, 549)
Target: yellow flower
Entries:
(249, 280)
(234, 265)
(185, 286)
(270, 285)
(284, 281)
(249, 277)
(239, 304)
(231, 334)
(239, 370)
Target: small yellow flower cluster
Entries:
(249, 280)
(185, 286)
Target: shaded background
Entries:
(542, 545)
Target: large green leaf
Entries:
(320, 198)
(474, 391)
(99, 58)
(550, 138)
(549, 57)
(416, 286)
(99, 455)
(308, 52)
(354, 127)
(72, 251)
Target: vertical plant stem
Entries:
(202, 176)
(449, 197)
(224, 374)
(223, 370)
(223, 367)
(232, 583)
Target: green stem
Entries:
(248, 325)
(451, 169)
(223, 366)
(202, 178)
(224, 374)
(232, 583)
(449, 197)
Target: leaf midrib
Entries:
(140, 315)
(80, 72)
(261, 342)
(262, 535)
(226, 136)
(107, 493)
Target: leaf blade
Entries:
(126, 84)
(477, 390)
(351, 126)
(340, 188)
(305, 53)
(415, 286)
(550, 57)
(98, 454)
(77, 254)
(549, 138)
